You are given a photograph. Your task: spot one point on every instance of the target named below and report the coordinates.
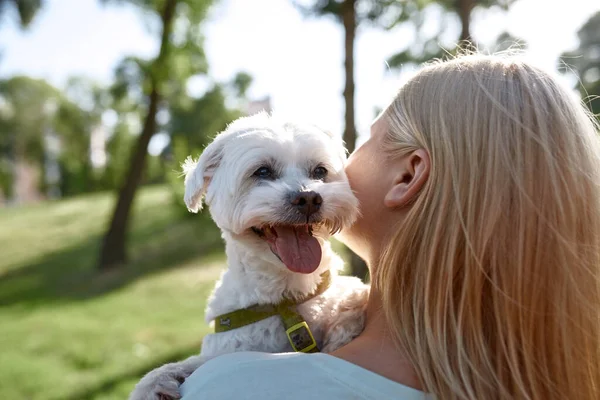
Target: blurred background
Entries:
(103, 272)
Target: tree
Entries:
(428, 48)
(585, 62)
(42, 128)
(464, 10)
(180, 56)
(27, 108)
(25, 8)
(26, 111)
(351, 14)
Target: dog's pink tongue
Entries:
(298, 249)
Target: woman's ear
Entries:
(411, 174)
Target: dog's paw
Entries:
(161, 384)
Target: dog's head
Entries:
(275, 186)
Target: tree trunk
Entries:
(358, 266)
(465, 7)
(113, 251)
(349, 20)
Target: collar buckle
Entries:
(301, 338)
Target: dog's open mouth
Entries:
(294, 245)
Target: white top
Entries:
(290, 376)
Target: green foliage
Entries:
(241, 83)
(453, 5)
(75, 127)
(27, 109)
(585, 62)
(129, 87)
(32, 111)
(6, 178)
(28, 106)
(119, 148)
(198, 120)
(26, 9)
(76, 120)
(429, 47)
(69, 332)
(384, 13)
(181, 55)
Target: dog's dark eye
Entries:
(319, 173)
(264, 173)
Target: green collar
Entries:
(297, 330)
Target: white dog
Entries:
(277, 191)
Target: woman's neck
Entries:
(374, 349)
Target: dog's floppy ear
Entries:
(199, 173)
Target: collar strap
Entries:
(297, 330)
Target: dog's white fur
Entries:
(238, 201)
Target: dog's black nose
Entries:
(307, 203)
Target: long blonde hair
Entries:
(492, 284)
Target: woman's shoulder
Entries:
(249, 375)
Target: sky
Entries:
(295, 60)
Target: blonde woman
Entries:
(480, 198)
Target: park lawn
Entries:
(68, 331)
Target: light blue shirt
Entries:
(290, 376)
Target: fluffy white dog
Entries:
(278, 191)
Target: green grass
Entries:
(68, 331)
